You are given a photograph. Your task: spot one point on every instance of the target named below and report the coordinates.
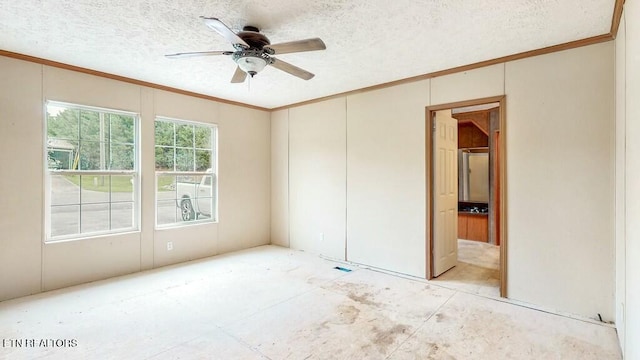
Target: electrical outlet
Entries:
(321, 237)
(170, 245)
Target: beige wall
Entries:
(560, 171)
(20, 178)
(280, 178)
(28, 265)
(317, 173)
(386, 178)
(466, 85)
(245, 178)
(620, 224)
(560, 168)
(628, 121)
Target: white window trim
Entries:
(212, 171)
(135, 173)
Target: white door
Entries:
(445, 192)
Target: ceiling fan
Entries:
(253, 51)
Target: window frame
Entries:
(211, 172)
(49, 173)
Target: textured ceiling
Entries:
(368, 42)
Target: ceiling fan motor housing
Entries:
(253, 38)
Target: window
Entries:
(186, 184)
(91, 172)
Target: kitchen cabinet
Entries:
(473, 226)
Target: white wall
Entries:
(28, 265)
(317, 170)
(629, 118)
(560, 170)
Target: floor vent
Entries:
(342, 269)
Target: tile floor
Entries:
(275, 303)
(478, 269)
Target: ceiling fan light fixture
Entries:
(251, 64)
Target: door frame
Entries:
(501, 166)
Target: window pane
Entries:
(121, 157)
(122, 188)
(90, 155)
(206, 197)
(62, 123)
(95, 217)
(95, 189)
(121, 129)
(187, 179)
(164, 133)
(122, 215)
(65, 190)
(204, 207)
(167, 212)
(184, 160)
(91, 126)
(203, 137)
(166, 187)
(203, 160)
(65, 220)
(61, 154)
(187, 210)
(184, 135)
(164, 158)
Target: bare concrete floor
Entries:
(275, 303)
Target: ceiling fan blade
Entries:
(238, 76)
(197, 53)
(291, 69)
(223, 30)
(297, 46)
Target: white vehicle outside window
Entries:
(186, 184)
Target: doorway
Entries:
(466, 209)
